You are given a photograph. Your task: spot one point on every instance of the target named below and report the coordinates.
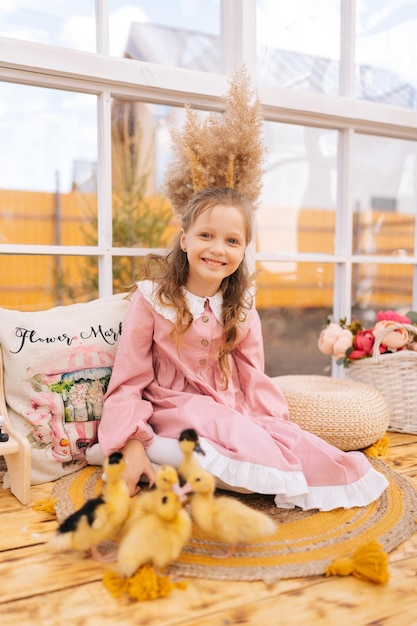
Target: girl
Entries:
(191, 356)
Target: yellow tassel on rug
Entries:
(145, 584)
(47, 505)
(379, 448)
(368, 562)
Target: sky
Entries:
(59, 127)
(71, 23)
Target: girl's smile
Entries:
(215, 246)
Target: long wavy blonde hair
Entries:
(170, 272)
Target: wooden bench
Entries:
(16, 451)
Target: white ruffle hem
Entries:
(289, 487)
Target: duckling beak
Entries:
(199, 449)
(185, 489)
(179, 491)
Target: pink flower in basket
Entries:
(393, 316)
(363, 343)
(350, 342)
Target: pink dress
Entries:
(158, 388)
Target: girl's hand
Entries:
(137, 465)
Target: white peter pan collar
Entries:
(196, 304)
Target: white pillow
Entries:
(57, 364)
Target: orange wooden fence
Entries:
(32, 282)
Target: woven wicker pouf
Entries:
(348, 414)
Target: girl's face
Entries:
(215, 245)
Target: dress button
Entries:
(202, 361)
(205, 318)
(204, 342)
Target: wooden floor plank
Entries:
(403, 460)
(401, 439)
(199, 598)
(24, 529)
(334, 601)
(297, 601)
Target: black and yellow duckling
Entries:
(189, 443)
(100, 518)
(157, 537)
(223, 518)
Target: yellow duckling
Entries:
(99, 518)
(189, 443)
(166, 480)
(156, 538)
(224, 518)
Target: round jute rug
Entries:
(304, 544)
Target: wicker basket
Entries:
(394, 375)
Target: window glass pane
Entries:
(37, 282)
(68, 23)
(142, 216)
(47, 165)
(293, 301)
(174, 33)
(386, 69)
(298, 44)
(297, 211)
(381, 286)
(125, 272)
(385, 195)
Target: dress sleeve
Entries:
(261, 393)
(251, 348)
(125, 413)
